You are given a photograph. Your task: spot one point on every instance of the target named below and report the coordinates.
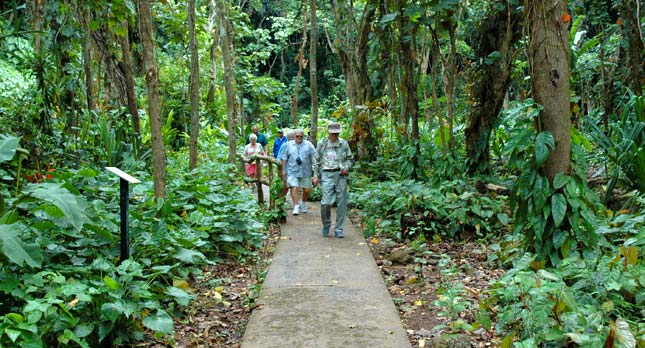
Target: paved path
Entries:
(323, 293)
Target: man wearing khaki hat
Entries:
(331, 169)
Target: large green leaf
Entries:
(160, 321)
(71, 206)
(560, 180)
(543, 145)
(8, 146)
(558, 208)
(16, 250)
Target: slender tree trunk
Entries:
(302, 63)
(490, 80)
(194, 86)
(450, 83)
(313, 80)
(128, 75)
(228, 54)
(409, 82)
(154, 100)
(435, 98)
(212, 84)
(84, 15)
(548, 56)
(38, 22)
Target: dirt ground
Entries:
(437, 288)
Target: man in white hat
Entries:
(331, 169)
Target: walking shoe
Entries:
(296, 210)
(339, 233)
(303, 208)
(325, 231)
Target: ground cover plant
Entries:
(62, 282)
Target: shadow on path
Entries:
(323, 292)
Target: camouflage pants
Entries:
(334, 190)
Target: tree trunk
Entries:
(313, 81)
(450, 83)
(115, 77)
(490, 81)
(351, 48)
(84, 15)
(548, 56)
(409, 82)
(194, 86)
(635, 51)
(128, 75)
(154, 100)
(212, 84)
(228, 53)
(302, 64)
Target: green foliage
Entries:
(624, 146)
(582, 301)
(558, 218)
(61, 279)
(450, 210)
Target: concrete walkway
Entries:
(323, 293)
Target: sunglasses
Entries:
(298, 136)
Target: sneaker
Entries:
(339, 233)
(296, 210)
(325, 231)
(303, 208)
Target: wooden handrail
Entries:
(259, 181)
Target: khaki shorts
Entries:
(305, 183)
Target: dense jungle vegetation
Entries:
(515, 124)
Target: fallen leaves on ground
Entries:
(422, 279)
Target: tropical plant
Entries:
(624, 146)
(556, 218)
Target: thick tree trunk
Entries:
(351, 48)
(154, 100)
(115, 77)
(313, 81)
(194, 86)
(490, 81)
(228, 54)
(548, 55)
(128, 75)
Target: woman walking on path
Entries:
(252, 148)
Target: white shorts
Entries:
(305, 183)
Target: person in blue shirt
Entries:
(262, 140)
(297, 159)
(277, 143)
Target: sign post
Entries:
(125, 180)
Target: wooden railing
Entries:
(274, 173)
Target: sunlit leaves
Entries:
(8, 146)
(15, 249)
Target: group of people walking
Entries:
(305, 166)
